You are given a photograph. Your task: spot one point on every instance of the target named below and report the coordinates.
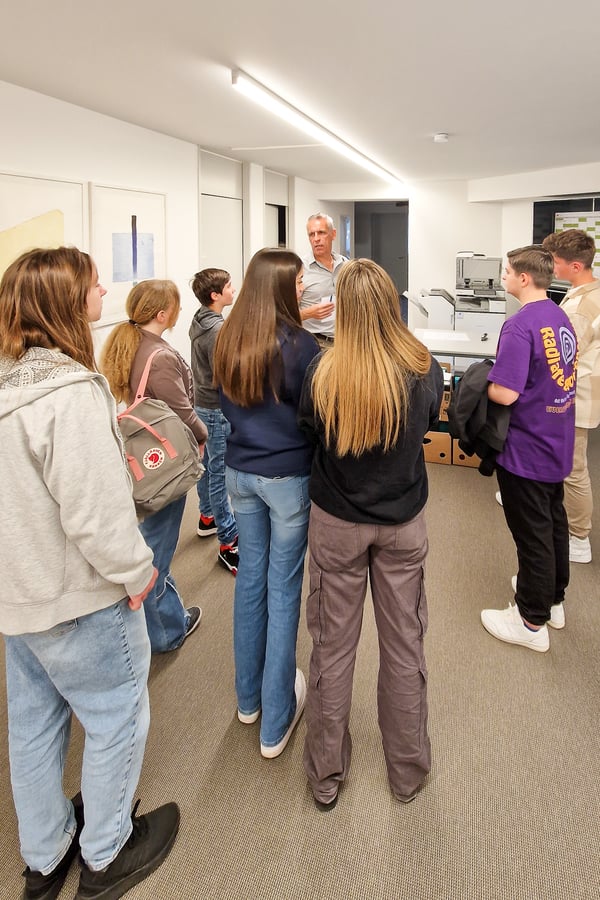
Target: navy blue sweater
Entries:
(265, 439)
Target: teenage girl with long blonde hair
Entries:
(367, 404)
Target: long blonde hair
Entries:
(143, 304)
(247, 349)
(43, 303)
(362, 384)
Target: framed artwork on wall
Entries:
(40, 212)
(127, 241)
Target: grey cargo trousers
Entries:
(343, 555)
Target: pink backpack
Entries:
(161, 450)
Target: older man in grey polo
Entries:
(321, 269)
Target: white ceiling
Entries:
(514, 83)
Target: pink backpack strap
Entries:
(141, 390)
(167, 445)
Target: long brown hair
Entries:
(43, 303)
(144, 302)
(247, 347)
(361, 386)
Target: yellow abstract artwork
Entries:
(46, 230)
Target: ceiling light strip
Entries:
(274, 104)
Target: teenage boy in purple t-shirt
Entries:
(534, 374)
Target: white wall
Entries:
(46, 137)
(582, 179)
(303, 202)
(517, 193)
(307, 198)
(517, 224)
(220, 176)
(221, 215)
(441, 222)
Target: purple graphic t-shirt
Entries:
(537, 357)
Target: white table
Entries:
(458, 343)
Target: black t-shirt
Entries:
(382, 488)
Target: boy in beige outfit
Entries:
(573, 251)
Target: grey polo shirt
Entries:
(319, 286)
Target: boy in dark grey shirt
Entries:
(213, 289)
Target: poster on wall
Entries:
(585, 221)
(127, 239)
(39, 212)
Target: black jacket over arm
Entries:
(479, 424)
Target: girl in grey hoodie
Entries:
(76, 571)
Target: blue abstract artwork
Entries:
(133, 255)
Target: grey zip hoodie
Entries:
(70, 542)
(204, 328)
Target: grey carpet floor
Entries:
(510, 810)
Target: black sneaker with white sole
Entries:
(195, 614)
(206, 526)
(47, 887)
(229, 556)
(148, 846)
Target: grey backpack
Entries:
(161, 450)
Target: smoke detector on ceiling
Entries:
(440, 138)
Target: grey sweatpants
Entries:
(342, 555)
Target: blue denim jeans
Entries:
(166, 616)
(212, 492)
(97, 667)
(272, 517)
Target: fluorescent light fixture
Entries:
(271, 102)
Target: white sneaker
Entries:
(557, 616)
(507, 625)
(499, 498)
(580, 550)
(300, 691)
(557, 611)
(248, 718)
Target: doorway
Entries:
(381, 234)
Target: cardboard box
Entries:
(444, 406)
(446, 396)
(459, 458)
(438, 448)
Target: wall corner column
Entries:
(253, 209)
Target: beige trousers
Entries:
(578, 489)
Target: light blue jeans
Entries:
(166, 616)
(97, 667)
(212, 492)
(272, 518)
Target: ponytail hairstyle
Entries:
(144, 302)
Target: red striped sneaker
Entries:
(206, 526)
(229, 556)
